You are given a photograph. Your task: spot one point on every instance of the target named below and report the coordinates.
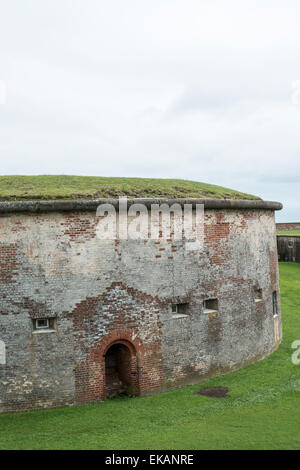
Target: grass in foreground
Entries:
(47, 187)
(288, 232)
(262, 412)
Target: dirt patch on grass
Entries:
(214, 392)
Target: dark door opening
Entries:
(119, 371)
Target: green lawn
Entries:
(263, 411)
(68, 187)
(288, 232)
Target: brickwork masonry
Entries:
(98, 293)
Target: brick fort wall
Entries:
(97, 293)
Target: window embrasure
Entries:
(180, 310)
(43, 325)
(211, 305)
(258, 294)
(275, 304)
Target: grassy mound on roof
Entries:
(49, 187)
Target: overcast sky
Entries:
(193, 89)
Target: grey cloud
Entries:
(154, 89)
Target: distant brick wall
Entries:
(102, 293)
(288, 226)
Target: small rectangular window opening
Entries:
(211, 304)
(275, 304)
(180, 308)
(42, 324)
(258, 294)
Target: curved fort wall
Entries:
(170, 316)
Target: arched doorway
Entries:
(121, 370)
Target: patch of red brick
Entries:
(8, 263)
(77, 228)
(122, 328)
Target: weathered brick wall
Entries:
(240, 254)
(100, 292)
(288, 226)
